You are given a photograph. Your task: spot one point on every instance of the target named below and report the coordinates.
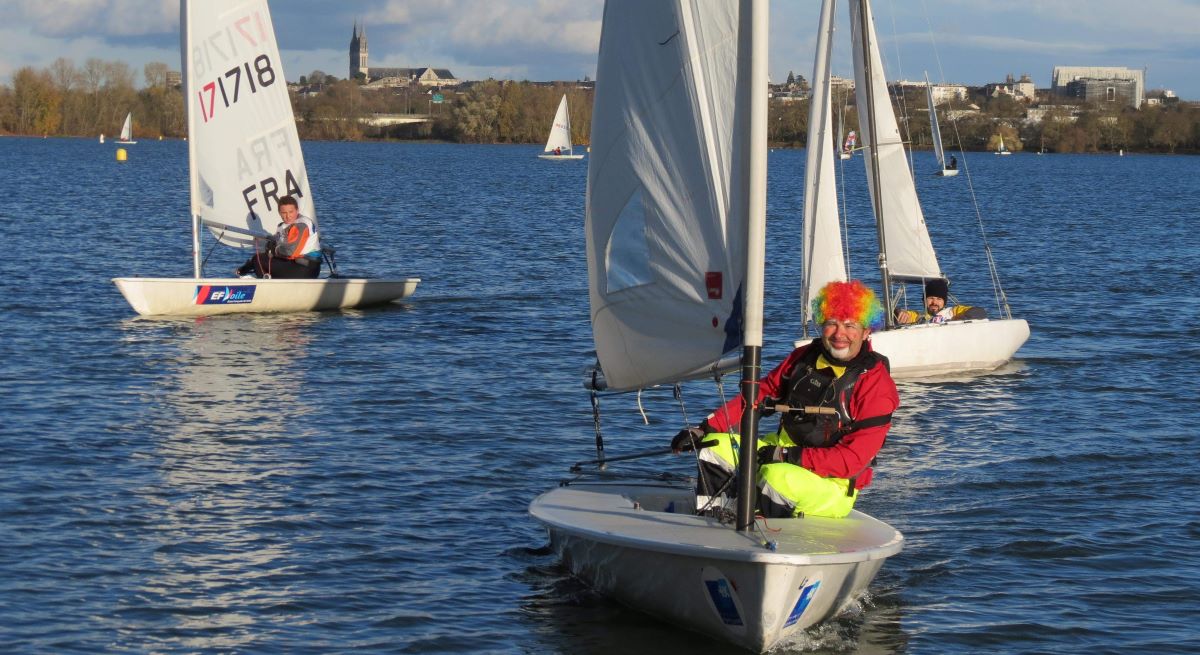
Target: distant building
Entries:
(391, 77)
(1104, 91)
(1161, 97)
(174, 79)
(1133, 93)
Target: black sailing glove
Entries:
(690, 439)
(773, 454)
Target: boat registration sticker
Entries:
(808, 589)
(724, 598)
(207, 294)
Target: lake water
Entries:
(359, 480)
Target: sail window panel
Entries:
(627, 257)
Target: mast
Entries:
(864, 27)
(185, 39)
(752, 93)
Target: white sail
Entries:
(906, 244)
(243, 147)
(933, 125)
(560, 130)
(823, 259)
(665, 237)
(127, 128)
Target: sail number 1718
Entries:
(229, 84)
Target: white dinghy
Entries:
(243, 155)
(676, 221)
(906, 252)
(558, 144)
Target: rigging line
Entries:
(1002, 306)
(210, 252)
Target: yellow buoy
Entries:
(121, 156)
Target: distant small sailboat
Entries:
(1000, 149)
(945, 171)
(126, 137)
(558, 144)
(101, 138)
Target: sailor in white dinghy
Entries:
(937, 307)
(836, 397)
(293, 254)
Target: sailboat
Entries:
(243, 154)
(1000, 149)
(675, 223)
(943, 170)
(558, 144)
(126, 137)
(906, 252)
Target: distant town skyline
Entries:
(956, 41)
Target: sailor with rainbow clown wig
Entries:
(816, 462)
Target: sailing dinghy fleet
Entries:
(675, 227)
(243, 155)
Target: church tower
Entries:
(358, 52)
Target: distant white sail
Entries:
(665, 238)
(126, 131)
(933, 125)
(244, 149)
(560, 130)
(822, 248)
(907, 246)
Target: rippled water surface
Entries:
(359, 480)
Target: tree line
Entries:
(68, 100)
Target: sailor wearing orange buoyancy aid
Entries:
(295, 250)
(815, 463)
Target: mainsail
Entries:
(822, 248)
(906, 245)
(666, 240)
(243, 147)
(560, 130)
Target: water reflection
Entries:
(234, 401)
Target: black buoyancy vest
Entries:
(806, 385)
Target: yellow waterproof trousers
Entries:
(805, 492)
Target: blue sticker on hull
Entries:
(806, 596)
(223, 295)
(718, 590)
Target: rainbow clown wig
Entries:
(848, 301)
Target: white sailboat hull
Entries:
(692, 571)
(954, 347)
(948, 172)
(151, 296)
(560, 157)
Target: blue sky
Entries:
(959, 41)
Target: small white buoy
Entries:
(121, 154)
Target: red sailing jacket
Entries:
(874, 394)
